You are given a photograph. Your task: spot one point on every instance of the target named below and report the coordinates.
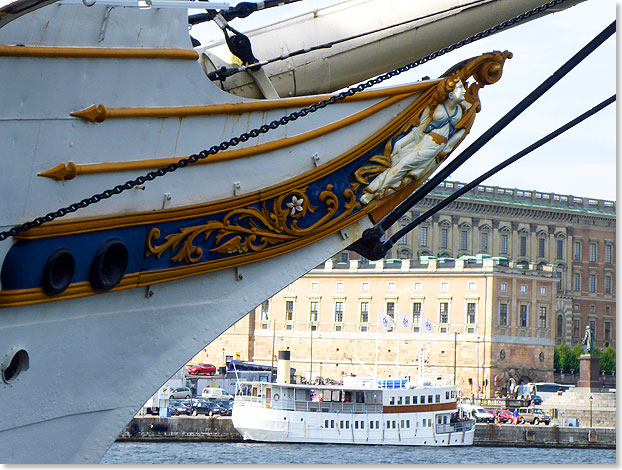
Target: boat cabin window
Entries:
(437, 398)
(302, 395)
(415, 400)
(453, 394)
(406, 400)
(408, 423)
(254, 393)
(447, 395)
(326, 395)
(391, 400)
(399, 400)
(347, 397)
(422, 399)
(360, 397)
(429, 398)
(336, 395)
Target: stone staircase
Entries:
(575, 403)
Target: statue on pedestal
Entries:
(588, 340)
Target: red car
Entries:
(504, 416)
(201, 369)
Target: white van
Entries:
(479, 413)
(218, 393)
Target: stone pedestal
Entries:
(589, 372)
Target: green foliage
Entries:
(608, 360)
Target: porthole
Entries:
(109, 264)
(541, 356)
(14, 365)
(58, 272)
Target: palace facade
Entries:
(501, 276)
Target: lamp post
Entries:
(591, 400)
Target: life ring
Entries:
(276, 397)
(134, 429)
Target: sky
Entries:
(582, 161)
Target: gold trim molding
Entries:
(97, 53)
(68, 171)
(99, 113)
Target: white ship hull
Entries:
(351, 415)
(79, 362)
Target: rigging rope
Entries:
(150, 176)
(224, 72)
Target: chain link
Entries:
(272, 125)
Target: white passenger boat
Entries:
(228, 196)
(423, 412)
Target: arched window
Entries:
(559, 327)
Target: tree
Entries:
(573, 357)
(560, 357)
(608, 360)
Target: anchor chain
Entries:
(150, 176)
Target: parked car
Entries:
(180, 392)
(534, 416)
(219, 393)
(479, 413)
(501, 415)
(536, 399)
(204, 407)
(227, 405)
(179, 408)
(201, 369)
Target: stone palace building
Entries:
(500, 277)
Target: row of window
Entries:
(375, 424)
(524, 289)
(593, 252)
(592, 283)
(417, 286)
(420, 399)
(576, 328)
(522, 318)
(523, 245)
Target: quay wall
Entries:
(544, 436)
(189, 428)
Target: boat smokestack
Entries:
(283, 372)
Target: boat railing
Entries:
(454, 427)
(312, 406)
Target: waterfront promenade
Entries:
(190, 428)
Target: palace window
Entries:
(444, 236)
(464, 239)
(592, 252)
(541, 246)
(576, 282)
(484, 242)
(577, 251)
(340, 286)
(608, 253)
(576, 328)
(607, 330)
(503, 314)
(523, 316)
(365, 286)
(416, 313)
(504, 244)
(543, 291)
(265, 308)
(542, 318)
(523, 288)
(289, 310)
(470, 314)
(593, 325)
(523, 246)
(391, 313)
(315, 286)
(443, 311)
(559, 328)
(504, 287)
(592, 283)
(338, 312)
(444, 286)
(314, 308)
(607, 284)
(424, 236)
(560, 249)
(364, 312)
